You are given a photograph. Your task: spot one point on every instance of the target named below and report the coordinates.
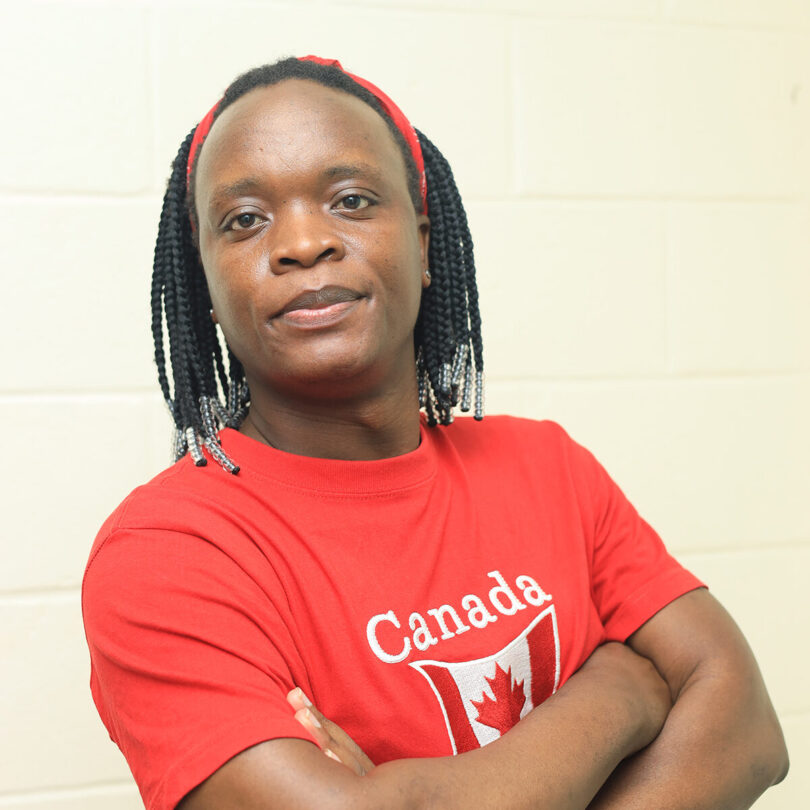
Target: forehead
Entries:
(291, 126)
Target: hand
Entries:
(636, 683)
(333, 740)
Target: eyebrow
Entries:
(226, 192)
(353, 170)
(247, 185)
(250, 184)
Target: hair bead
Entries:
(479, 395)
(466, 394)
(194, 449)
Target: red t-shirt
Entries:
(424, 602)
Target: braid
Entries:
(450, 360)
(181, 306)
(208, 391)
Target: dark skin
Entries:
(299, 189)
(302, 189)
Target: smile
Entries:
(322, 316)
(317, 308)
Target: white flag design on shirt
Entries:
(482, 699)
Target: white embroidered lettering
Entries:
(477, 613)
(445, 610)
(449, 621)
(532, 592)
(422, 638)
(501, 591)
(371, 635)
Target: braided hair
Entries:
(208, 389)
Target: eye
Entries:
(354, 202)
(242, 222)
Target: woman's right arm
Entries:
(558, 756)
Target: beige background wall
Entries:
(637, 174)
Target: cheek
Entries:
(219, 301)
(403, 267)
(231, 307)
(413, 280)
(232, 277)
(402, 291)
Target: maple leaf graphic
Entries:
(503, 712)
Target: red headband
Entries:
(396, 115)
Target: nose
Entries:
(302, 238)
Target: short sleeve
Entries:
(190, 659)
(632, 574)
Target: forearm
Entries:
(710, 754)
(721, 745)
(556, 757)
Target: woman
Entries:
(431, 589)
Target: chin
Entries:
(325, 377)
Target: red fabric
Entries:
(208, 596)
(201, 130)
(396, 115)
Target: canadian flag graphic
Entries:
(484, 698)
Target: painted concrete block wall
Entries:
(637, 176)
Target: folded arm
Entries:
(721, 745)
(556, 758)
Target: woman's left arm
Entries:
(721, 746)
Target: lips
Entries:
(319, 299)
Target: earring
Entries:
(427, 274)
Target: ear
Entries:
(213, 316)
(423, 224)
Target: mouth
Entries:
(318, 307)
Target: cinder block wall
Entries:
(637, 175)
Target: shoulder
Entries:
(466, 428)
(175, 547)
(507, 436)
(507, 454)
(182, 505)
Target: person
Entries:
(341, 596)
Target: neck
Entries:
(377, 427)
